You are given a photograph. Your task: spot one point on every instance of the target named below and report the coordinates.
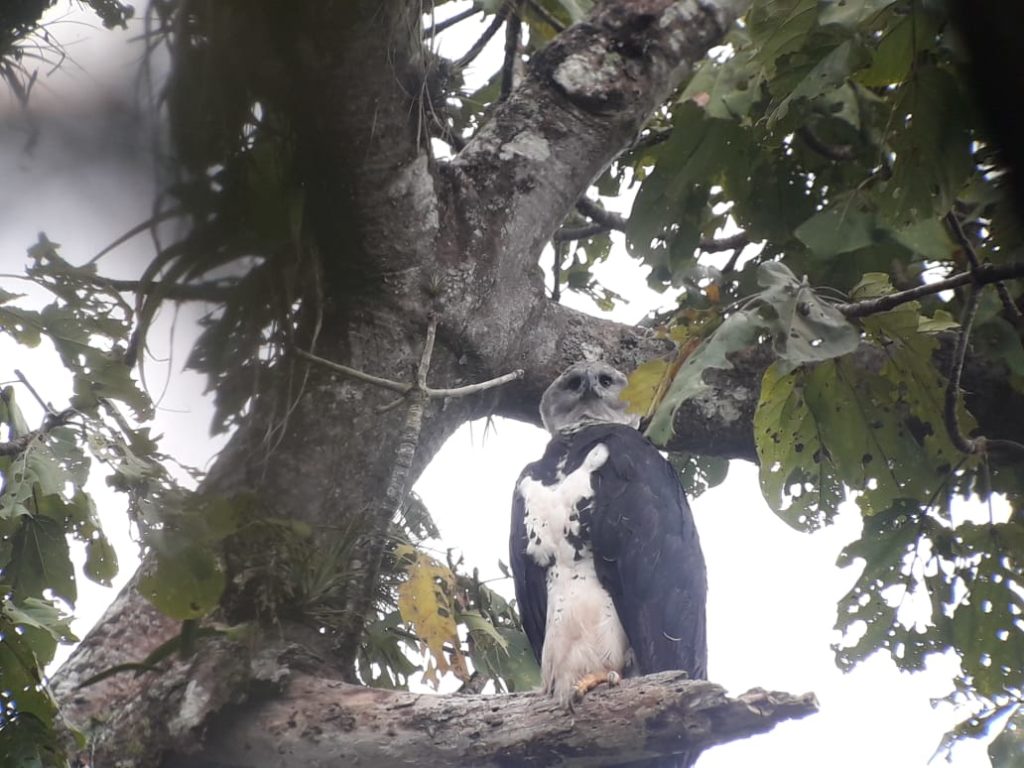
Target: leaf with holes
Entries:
(425, 602)
(805, 328)
(182, 579)
(798, 479)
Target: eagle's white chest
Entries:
(583, 634)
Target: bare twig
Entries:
(594, 210)
(404, 389)
(377, 381)
(983, 275)
(359, 600)
(51, 420)
(47, 407)
(610, 220)
(472, 389)
(218, 291)
(513, 31)
(556, 269)
(138, 229)
(451, 21)
(956, 368)
(485, 38)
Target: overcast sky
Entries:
(771, 607)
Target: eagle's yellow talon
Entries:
(587, 683)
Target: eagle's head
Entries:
(585, 392)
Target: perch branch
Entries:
(642, 719)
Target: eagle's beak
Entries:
(590, 388)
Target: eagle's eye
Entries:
(605, 379)
(573, 382)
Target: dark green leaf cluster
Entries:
(840, 136)
(27, 42)
(44, 502)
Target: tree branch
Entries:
(451, 21)
(513, 31)
(956, 369)
(606, 220)
(643, 718)
(564, 124)
(953, 222)
(485, 38)
(983, 275)
(397, 386)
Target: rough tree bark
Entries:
(403, 237)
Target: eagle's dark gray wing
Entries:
(530, 579)
(647, 553)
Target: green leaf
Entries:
(850, 14)
(737, 332)
(1007, 749)
(805, 329)
(699, 473)
(840, 228)
(100, 560)
(183, 580)
(826, 75)
(728, 89)
(798, 479)
(933, 154)
(779, 27)
(40, 560)
(894, 55)
(928, 238)
(505, 654)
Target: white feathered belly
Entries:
(582, 634)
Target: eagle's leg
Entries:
(587, 683)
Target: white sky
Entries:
(773, 591)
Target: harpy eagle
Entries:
(609, 574)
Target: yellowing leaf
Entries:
(425, 602)
(643, 385)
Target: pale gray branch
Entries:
(659, 715)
